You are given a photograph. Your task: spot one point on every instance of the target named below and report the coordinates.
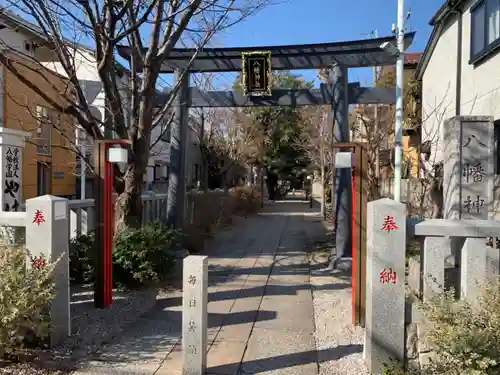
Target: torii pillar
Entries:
(341, 184)
(178, 148)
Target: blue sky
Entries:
(322, 21)
(317, 21)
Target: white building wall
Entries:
(12, 40)
(439, 89)
(480, 84)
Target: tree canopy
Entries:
(281, 127)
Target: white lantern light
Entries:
(117, 155)
(344, 160)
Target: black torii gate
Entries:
(338, 93)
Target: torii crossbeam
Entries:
(283, 97)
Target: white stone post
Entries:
(385, 284)
(436, 249)
(47, 233)
(194, 314)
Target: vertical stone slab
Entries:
(47, 233)
(451, 168)
(492, 263)
(194, 314)
(477, 167)
(86, 219)
(473, 272)
(75, 222)
(436, 250)
(385, 284)
(468, 182)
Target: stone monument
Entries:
(47, 234)
(385, 284)
(468, 143)
(194, 314)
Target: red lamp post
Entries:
(106, 155)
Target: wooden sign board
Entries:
(256, 73)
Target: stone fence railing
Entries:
(393, 331)
(154, 206)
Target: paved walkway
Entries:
(261, 311)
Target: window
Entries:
(44, 131)
(165, 130)
(44, 178)
(485, 28)
(157, 172)
(493, 13)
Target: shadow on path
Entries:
(288, 360)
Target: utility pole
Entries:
(398, 134)
(378, 136)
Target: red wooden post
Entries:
(354, 248)
(108, 230)
(104, 205)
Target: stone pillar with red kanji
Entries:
(385, 284)
(47, 237)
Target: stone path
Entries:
(261, 311)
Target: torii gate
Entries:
(338, 57)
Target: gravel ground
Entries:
(339, 344)
(91, 329)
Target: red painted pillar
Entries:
(108, 230)
(354, 252)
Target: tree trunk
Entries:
(128, 206)
(322, 167)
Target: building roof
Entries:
(357, 53)
(412, 58)
(448, 8)
(16, 22)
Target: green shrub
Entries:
(140, 257)
(466, 338)
(81, 250)
(248, 199)
(145, 255)
(393, 368)
(25, 293)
